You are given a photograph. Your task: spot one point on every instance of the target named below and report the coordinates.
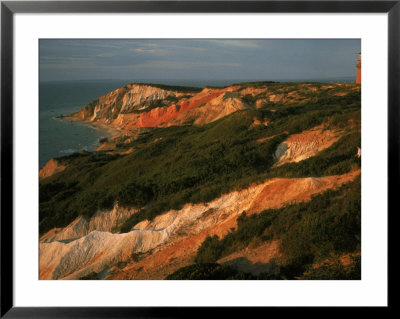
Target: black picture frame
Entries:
(9, 8)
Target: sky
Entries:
(201, 59)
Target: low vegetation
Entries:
(328, 225)
(176, 88)
(210, 271)
(171, 166)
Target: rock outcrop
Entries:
(298, 147)
(170, 241)
(52, 167)
(212, 109)
(136, 106)
(132, 97)
(94, 253)
(153, 249)
(105, 221)
(130, 108)
(262, 259)
(207, 106)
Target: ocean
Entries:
(59, 137)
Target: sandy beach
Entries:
(113, 132)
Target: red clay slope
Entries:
(161, 115)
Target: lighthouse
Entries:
(358, 79)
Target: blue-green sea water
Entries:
(59, 137)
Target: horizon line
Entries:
(158, 81)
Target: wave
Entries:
(68, 151)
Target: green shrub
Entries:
(135, 195)
(172, 166)
(328, 224)
(209, 271)
(335, 271)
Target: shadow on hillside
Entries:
(245, 265)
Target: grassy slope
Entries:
(176, 88)
(329, 225)
(172, 166)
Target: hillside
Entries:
(250, 181)
(136, 106)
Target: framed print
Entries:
(163, 155)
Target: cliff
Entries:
(260, 178)
(52, 167)
(136, 106)
(72, 255)
(132, 97)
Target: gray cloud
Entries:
(230, 59)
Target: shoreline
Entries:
(113, 132)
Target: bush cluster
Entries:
(172, 166)
(329, 224)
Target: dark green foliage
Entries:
(249, 99)
(248, 228)
(174, 99)
(131, 221)
(257, 84)
(91, 276)
(210, 250)
(295, 118)
(134, 195)
(184, 89)
(335, 271)
(217, 86)
(47, 191)
(329, 223)
(185, 164)
(295, 266)
(209, 271)
(340, 158)
(153, 104)
(172, 166)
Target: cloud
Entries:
(63, 59)
(191, 58)
(178, 65)
(148, 51)
(105, 55)
(237, 43)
